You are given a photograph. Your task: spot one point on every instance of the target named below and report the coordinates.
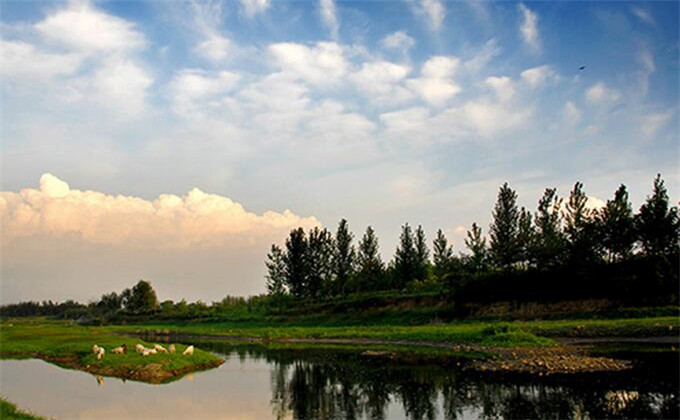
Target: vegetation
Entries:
(9, 411)
(70, 346)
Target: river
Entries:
(257, 382)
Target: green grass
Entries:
(9, 411)
(71, 345)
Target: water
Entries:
(261, 383)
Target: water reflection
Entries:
(282, 383)
(324, 384)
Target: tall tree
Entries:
(503, 231)
(297, 269)
(142, 298)
(657, 223)
(617, 226)
(526, 237)
(580, 229)
(405, 258)
(550, 243)
(344, 257)
(442, 255)
(319, 260)
(371, 268)
(478, 261)
(276, 272)
(422, 254)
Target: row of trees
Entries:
(558, 236)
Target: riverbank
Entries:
(9, 411)
(70, 346)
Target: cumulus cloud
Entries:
(652, 123)
(21, 60)
(215, 48)
(190, 87)
(321, 64)
(529, 27)
(599, 93)
(502, 86)
(537, 76)
(435, 84)
(381, 81)
(571, 113)
(398, 40)
(433, 10)
(197, 219)
(251, 8)
(329, 17)
(82, 27)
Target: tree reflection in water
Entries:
(329, 384)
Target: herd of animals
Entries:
(144, 351)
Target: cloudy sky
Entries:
(175, 141)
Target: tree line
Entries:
(562, 239)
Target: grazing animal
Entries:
(189, 351)
(100, 353)
(160, 348)
(139, 348)
(171, 349)
(95, 349)
(100, 379)
(118, 350)
(148, 352)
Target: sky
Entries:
(176, 141)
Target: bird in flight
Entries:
(582, 68)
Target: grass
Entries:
(70, 345)
(9, 411)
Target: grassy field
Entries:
(9, 411)
(515, 333)
(70, 345)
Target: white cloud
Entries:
(251, 8)
(433, 10)
(644, 15)
(537, 76)
(529, 27)
(502, 86)
(170, 221)
(190, 86)
(488, 52)
(600, 93)
(436, 85)
(21, 60)
(84, 28)
(322, 64)
(329, 17)
(215, 48)
(121, 85)
(381, 81)
(652, 123)
(398, 40)
(571, 113)
(648, 66)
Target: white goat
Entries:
(139, 348)
(95, 349)
(160, 348)
(100, 353)
(148, 352)
(118, 350)
(171, 348)
(189, 351)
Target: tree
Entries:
(296, 262)
(319, 261)
(580, 229)
(503, 231)
(526, 237)
(550, 245)
(276, 272)
(405, 258)
(422, 263)
(371, 268)
(658, 224)
(142, 298)
(442, 255)
(110, 302)
(344, 256)
(478, 261)
(617, 226)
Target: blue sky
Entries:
(382, 112)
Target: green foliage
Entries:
(370, 267)
(405, 258)
(141, 299)
(657, 223)
(504, 245)
(276, 272)
(296, 260)
(580, 229)
(344, 259)
(319, 261)
(549, 246)
(9, 411)
(617, 226)
(422, 256)
(442, 256)
(478, 260)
